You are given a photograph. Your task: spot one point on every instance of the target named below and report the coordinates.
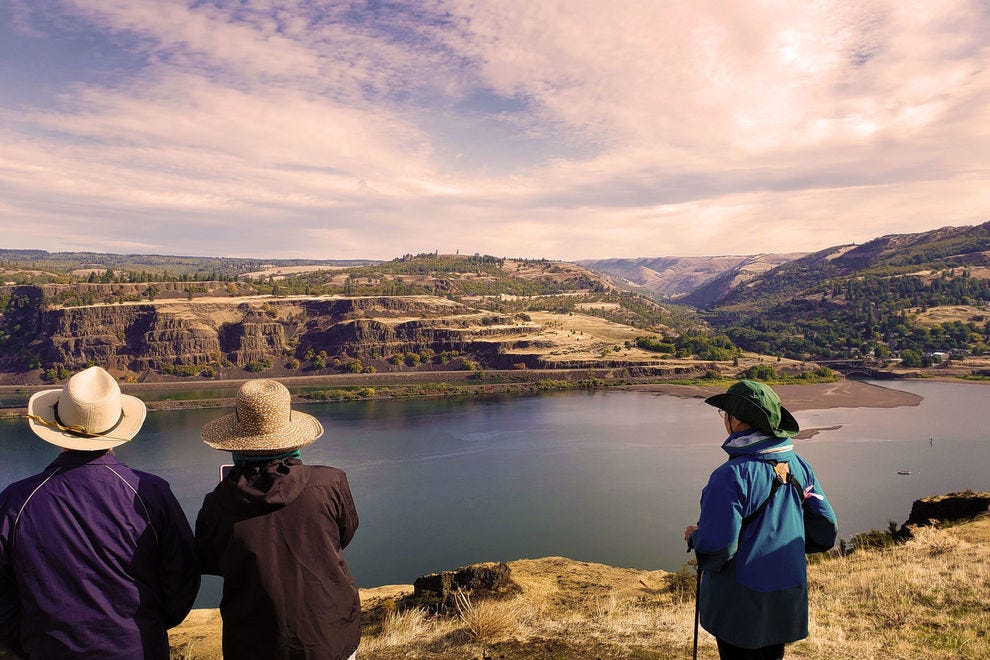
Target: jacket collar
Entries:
(758, 444)
(71, 459)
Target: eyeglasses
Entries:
(723, 414)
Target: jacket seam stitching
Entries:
(140, 499)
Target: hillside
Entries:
(416, 313)
(917, 303)
(680, 277)
(924, 598)
(872, 302)
(41, 266)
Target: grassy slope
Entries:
(926, 598)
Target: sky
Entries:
(565, 129)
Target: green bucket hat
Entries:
(757, 405)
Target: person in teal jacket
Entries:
(761, 511)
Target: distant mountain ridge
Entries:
(893, 255)
(704, 279)
(913, 298)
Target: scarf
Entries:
(245, 460)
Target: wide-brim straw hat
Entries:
(88, 414)
(263, 422)
(759, 406)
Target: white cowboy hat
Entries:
(88, 414)
(263, 422)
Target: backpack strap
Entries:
(783, 476)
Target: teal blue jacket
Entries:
(754, 589)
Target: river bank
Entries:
(305, 389)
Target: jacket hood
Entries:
(759, 445)
(256, 489)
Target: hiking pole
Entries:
(697, 608)
(697, 598)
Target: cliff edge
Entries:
(921, 598)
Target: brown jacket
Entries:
(275, 534)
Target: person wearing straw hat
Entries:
(275, 530)
(96, 560)
(761, 511)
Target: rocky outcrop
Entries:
(965, 505)
(439, 590)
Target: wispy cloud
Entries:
(561, 129)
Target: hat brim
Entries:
(787, 428)
(226, 434)
(42, 404)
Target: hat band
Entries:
(74, 429)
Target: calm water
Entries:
(609, 477)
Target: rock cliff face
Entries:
(178, 333)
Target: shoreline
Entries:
(843, 393)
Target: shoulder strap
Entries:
(783, 476)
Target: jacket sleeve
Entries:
(347, 516)
(820, 526)
(717, 538)
(180, 570)
(10, 602)
(209, 561)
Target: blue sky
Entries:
(572, 129)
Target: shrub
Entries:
(760, 372)
(258, 365)
(655, 344)
(682, 584)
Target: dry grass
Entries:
(924, 599)
(488, 620)
(408, 629)
(947, 313)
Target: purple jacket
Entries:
(96, 561)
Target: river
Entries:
(604, 476)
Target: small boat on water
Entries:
(904, 472)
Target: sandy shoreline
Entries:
(813, 396)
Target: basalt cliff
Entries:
(221, 334)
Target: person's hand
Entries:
(691, 529)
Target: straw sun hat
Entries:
(263, 422)
(88, 414)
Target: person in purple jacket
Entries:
(96, 560)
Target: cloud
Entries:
(560, 129)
